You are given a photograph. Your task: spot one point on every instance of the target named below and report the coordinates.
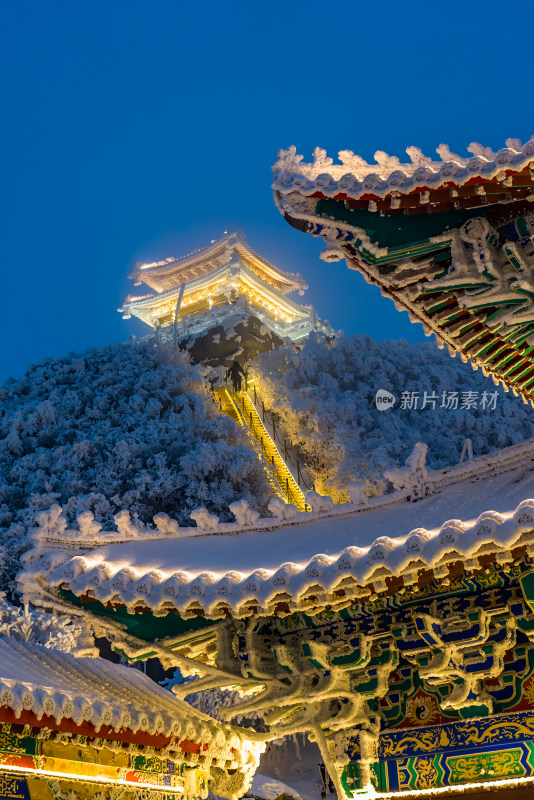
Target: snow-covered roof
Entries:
(354, 177)
(120, 708)
(112, 698)
(151, 307)
(171, 272)
(326, 561)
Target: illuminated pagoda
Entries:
(195, 292)
(449, 241)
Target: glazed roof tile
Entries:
(55, 684)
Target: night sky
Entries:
(134, 131)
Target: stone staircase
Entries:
(242, 410)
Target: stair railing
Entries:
(283, 483)
(269, 420)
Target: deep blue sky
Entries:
(136, 130)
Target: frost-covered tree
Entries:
(49, 630)
(128, 426)
(325, 398)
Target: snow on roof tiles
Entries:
(124, 708)
(48, 682)
(354, 177)
(322, 562)
(161, 275)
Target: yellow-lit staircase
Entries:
(243, 411)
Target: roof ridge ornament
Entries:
(446, 155)
(320, 159)
(481, 151)
(418, 158)
(288, 157)
(289, 163)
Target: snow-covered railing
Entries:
(200, 322)
(411, 482)
(268, 419)
(417, 478)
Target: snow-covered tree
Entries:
(125, 426)
(49, 630)
(325, 398)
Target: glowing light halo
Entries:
(372, 794)
(90, 778)
(254, 280)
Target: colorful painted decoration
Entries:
(409, 659)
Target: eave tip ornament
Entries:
(332, 250)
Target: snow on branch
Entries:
(124, 427)
(49, 630)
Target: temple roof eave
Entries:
(244, 576)
(341, 578)
(95, 691)
(141, 307)
(221, 252)
(354, 177)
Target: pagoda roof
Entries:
(354, 178)
(318, 560)
(220, 274)
(172, 272)
(57, 699)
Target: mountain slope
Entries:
(325, 398)
(125, 426)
